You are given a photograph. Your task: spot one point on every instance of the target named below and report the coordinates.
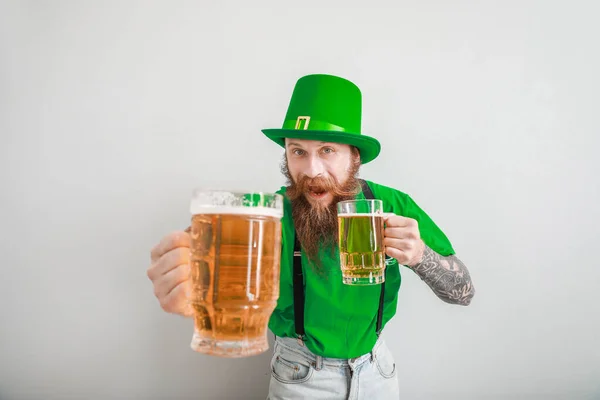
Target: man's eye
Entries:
(298, 152)
(327, 150)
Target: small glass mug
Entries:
(362, 253)
(235, 256)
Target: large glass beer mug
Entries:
(235, 253)
(362, 254)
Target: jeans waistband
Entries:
(292, 344)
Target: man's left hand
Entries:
(402, 240)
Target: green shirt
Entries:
(340, 320)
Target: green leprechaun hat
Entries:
(326, 108)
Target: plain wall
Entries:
(112, 112)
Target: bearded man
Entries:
(328, 341)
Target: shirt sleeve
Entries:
(431, 234)
(402, 204)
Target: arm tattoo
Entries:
(446, 276)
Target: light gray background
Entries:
(111, 112)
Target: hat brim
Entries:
(369, 147)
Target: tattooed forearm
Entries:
(446, 276)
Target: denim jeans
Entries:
(296, 373)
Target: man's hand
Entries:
(170, 273)
(402, 240)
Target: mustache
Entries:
(319, 184)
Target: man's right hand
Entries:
(170, 273)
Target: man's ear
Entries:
(355, 153)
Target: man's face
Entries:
(319, 175)
(318, 168)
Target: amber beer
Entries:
(362, 254)
(235, 253)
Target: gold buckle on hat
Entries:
(299, 121)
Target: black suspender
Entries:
(298, 290)
(299, 281)
(369, 195)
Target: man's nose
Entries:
(315, 168)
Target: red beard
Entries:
(316, 223)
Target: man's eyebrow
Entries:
(299, 145)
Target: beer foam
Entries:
(362, 215)
(266, 211)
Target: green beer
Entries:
(362, 254)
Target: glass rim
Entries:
(236, 192)
(223, 201)
(351, 207)
(360, 200)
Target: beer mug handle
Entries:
(388, 260)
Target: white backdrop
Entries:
(111, 112)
